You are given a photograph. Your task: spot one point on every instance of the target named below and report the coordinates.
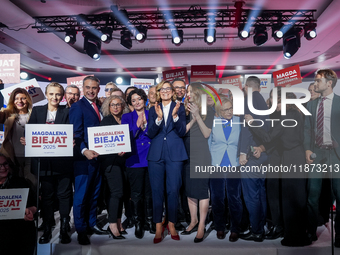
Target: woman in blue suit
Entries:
(137, 164)
(223, 144)
(166, 127)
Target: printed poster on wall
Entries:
(109, 139)
(10, 68)
(13, 203)
(288, 76)
(235, 80)
(203, 73)
(78, 81)
(266, 80)
(181, 73)
(32, 88)
(142, 83)
(43, 140)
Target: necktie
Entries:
(96, 109)
(319, 124)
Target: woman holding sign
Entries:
(15, 116)
(166, 127)
(137, 164)
(55, 173)
(112, 166)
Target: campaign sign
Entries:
(181, 73)
(288, 76)
(2, 133)
(231, 80)
(32, 88)
(78, 81)
(44, 140)
(142, 83)
(13, 203)
(109, 139)
(265, 84)
(203, 73)
(10, 68)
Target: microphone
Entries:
(312, 156)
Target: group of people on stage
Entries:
(169, 137)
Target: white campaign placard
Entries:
(266, 80)
(13, 203)
(2, 136)
(54, 140)
(32, 88)
(109, 139)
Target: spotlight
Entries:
(310, 32)
(291, 42)
(141, 34)
(106, 36)
(177, 37)
(277, 33)
(70, 37)
(92, 45)
(209, 36)
(119, 80)
(23, 75)
(125, 39)
(260, 35)
(242, 34)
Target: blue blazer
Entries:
(169, 135)
(140, 141)
(218, 145)
(82, 116)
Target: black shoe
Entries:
(194, 229)
(64, 225)
(123, 232)
(275, 233)
(47, 236)
(113, 236)
(42, 225)
(150, 225)
(83, 239)
(97, 230)
(233, 237)
(220, 235)
(139, 230)
(198, 240)
(128, 223)
(250, 236)
(179, 226)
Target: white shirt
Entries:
(327, 108)
(166, 110)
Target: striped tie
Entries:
(319, 124)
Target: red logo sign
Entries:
(181, 73)
(288, 76)
(203, 73)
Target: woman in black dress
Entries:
(196, 142)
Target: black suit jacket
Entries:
(51, 165)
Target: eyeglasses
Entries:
(180, 88)
(227, 109)
(108, 89)
(72, 94)
(5, 164)
(116, 105)
(168, 89)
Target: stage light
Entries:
(260, 35)
(141, 34)
(209, 36)
(277, 33)
(177, 37)
(92, 45)
(291, 42)
(106, 36)
(23, 75)
(310, 32)
(70, 37)
(119, 80)
(242, 34)
(125, 39)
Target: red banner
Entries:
(287, 77)
(203, 73)
(78, 81)
(10, 68)
(181, 73)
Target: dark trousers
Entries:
(60, 185)
(87, 181)
(171, 172)
(219, 188)
(114, 181)
(274, 189)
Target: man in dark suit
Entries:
(83, 114)
(253, 183)
(322, 137)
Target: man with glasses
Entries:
(322, 137)
(179, 86)
(72, 95)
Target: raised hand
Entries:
(175, 110)
(159, 111)
(194, 110)
(140, 120)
